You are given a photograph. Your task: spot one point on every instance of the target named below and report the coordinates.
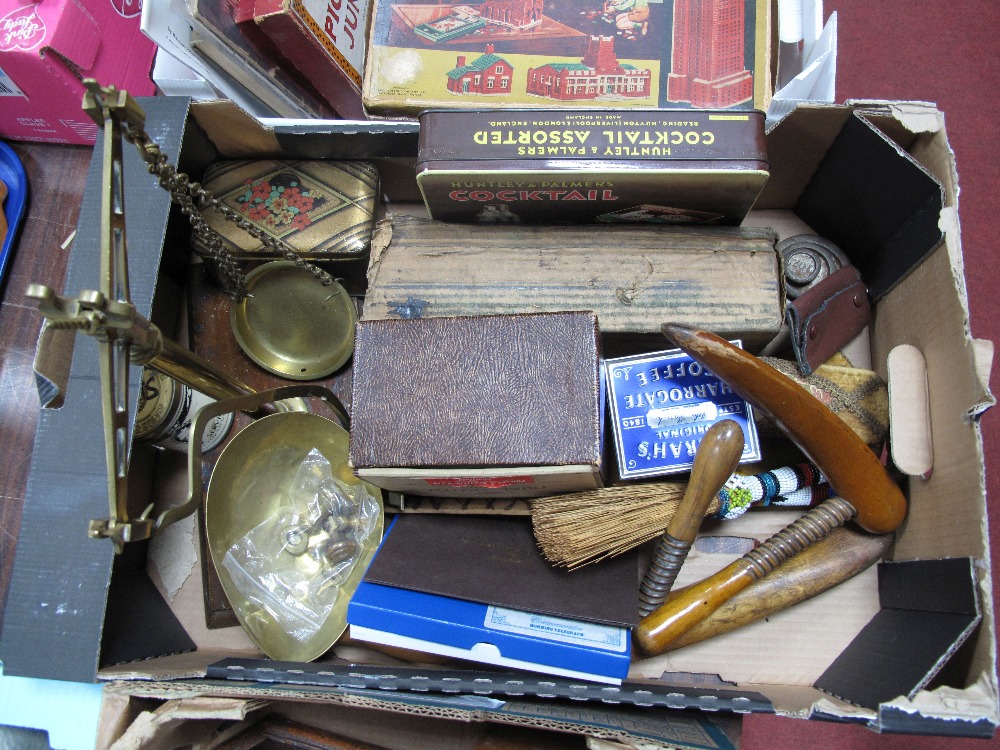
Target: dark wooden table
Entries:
(56, 177)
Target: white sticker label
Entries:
(7, 86)
(604, 637)
(340, 25)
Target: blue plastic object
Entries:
(12, 175)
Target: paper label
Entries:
(341, 26)
(7, 86)
(604, 637)
(487, 482)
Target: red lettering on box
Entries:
(491, 483)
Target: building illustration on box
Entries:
(463, 20)
(709, 44)
(597, 75)
(670, 54)
(514, 14)
(487, 74)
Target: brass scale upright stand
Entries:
(123, 335)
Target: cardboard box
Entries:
(47, 47)
(526, 53)
(76, 612)
(520, 419)
(325, 41)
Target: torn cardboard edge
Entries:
(928, 609)
(876, 202)
(683, 729)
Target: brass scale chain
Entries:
(192, 197)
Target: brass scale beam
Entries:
(123, 335)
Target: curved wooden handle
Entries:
(852, 469)
(715, 461)
(690, 606)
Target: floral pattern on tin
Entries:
(280, 202)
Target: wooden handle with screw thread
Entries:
(715, 461)
(657, 631)
(842, 554)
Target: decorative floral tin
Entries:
(325, 210)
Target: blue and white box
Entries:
(488, 634)
(662, 404)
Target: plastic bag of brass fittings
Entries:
(291, 567)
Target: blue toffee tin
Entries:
(662, 404)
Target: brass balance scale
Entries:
(283, 429)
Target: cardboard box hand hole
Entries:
(818, 156)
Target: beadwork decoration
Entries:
(801, 485)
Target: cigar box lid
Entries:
(471, 391)
(322, 209)
(558, 139)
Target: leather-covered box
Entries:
(479, 406)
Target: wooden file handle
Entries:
(842, 554)
(658, 630)
(715, 461)
(690, 606)
(718, 455)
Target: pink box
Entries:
(47, 47)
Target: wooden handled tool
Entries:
(866, 492)
(842, 554)
(716, 459)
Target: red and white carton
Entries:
(48, 47)
(325, 40)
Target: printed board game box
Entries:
(702, 54)
(662, 404)
(479, 406)
(657, 167)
